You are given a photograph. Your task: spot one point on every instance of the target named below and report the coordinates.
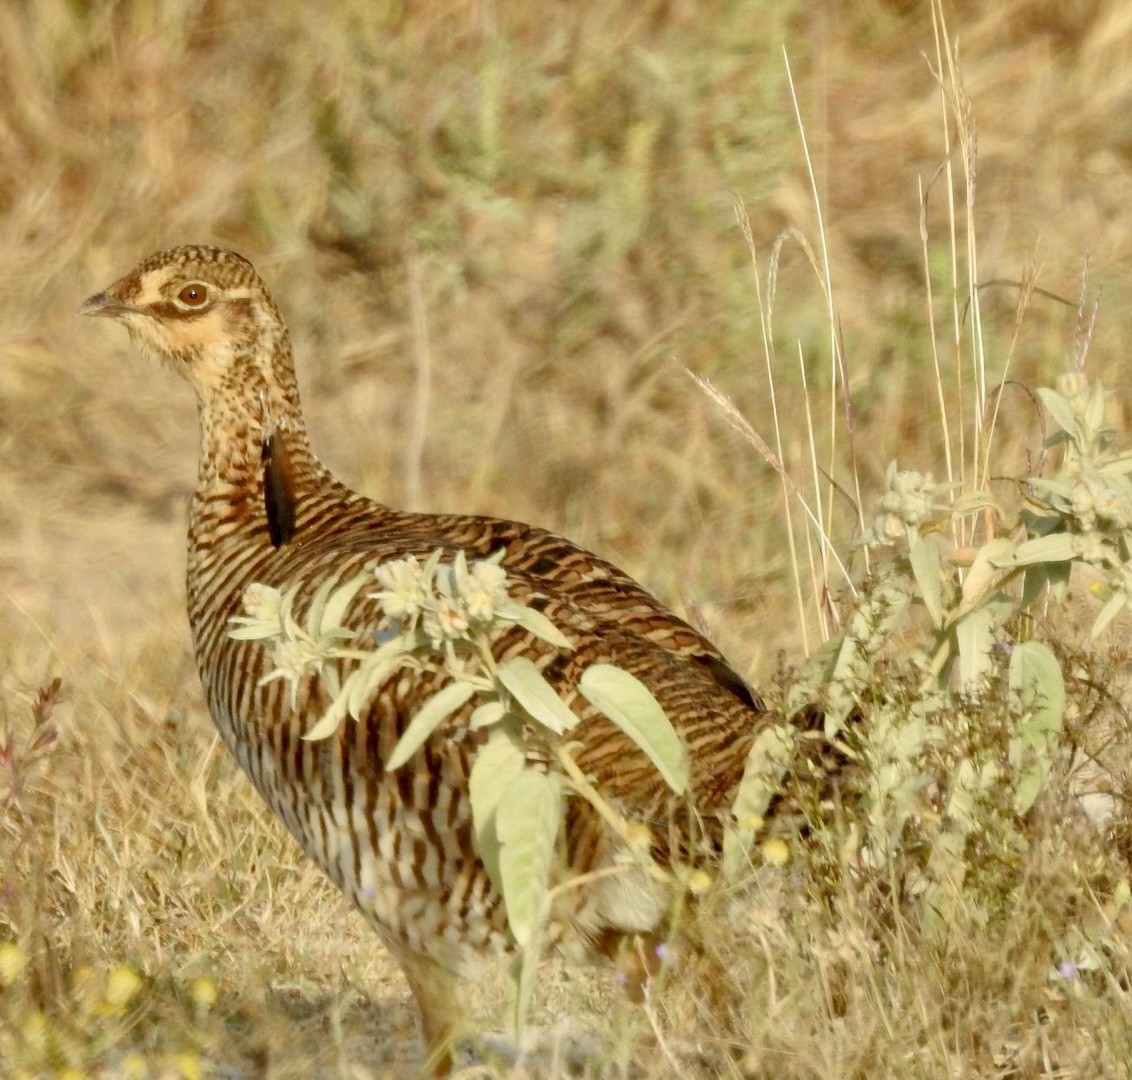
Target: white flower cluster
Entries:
(1100, 500)
(428, 607)
(299, 650)
(446, 600)
(908, 503)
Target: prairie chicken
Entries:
(400, 843)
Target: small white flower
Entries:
(1083, 504)
(263, 618)
(444, 621)
(1113, 505)
(291, 661)
(1090, 547)
(296, 658)
(403, 589)
(483, 590)
(909, 497)
(889, 528)
(262, 602)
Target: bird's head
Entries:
(204, 312)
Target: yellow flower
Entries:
(203, 992)
(133, 1066)
(12, 963)
(776, 852)
(122, 984)
(35, 1034)
(189, 1066)
(699, 882)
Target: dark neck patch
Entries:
(278, 489)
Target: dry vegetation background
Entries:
(530, 208)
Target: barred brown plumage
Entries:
(399, 843)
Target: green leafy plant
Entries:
(935, 685)
(445, 618)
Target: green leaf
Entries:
(1036, 679)
(1034, 584)
(842, 682)
(1094, 408)
(983, 573)
(1059, 408)
(497, 763)
(971, 501)
(290, 627)
(1112, 608)
(630, 705)
(1058, 575)
(1029, 786)
(460, 575)
(1035, 676)
(253, 631)
(379, 665)
(364, 683)
(318, 602)
(767, 762)
(974, 638)
(946, 870)
(924, 557)
(1117, 465)
(534, 622)
(537, 697)
(962, 808)
(1056, 493)
(428, 718)
(428, 567)
(330, 720)
(1056, 547)
(339, 601)
(527, 818)
(361, 684)
(522, 973)
(490, 712)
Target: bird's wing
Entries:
(554, 566)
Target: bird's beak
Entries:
(103, 304)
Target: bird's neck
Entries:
(255, 470)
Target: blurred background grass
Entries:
(540, 200)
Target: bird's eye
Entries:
(194, 295)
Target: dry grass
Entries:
(545, 203)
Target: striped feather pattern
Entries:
(400, 844)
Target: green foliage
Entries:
(767, 763)
(446, 619)
(627, 702)
(935, 688)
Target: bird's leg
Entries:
(442, 1016)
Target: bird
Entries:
(400, 843)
